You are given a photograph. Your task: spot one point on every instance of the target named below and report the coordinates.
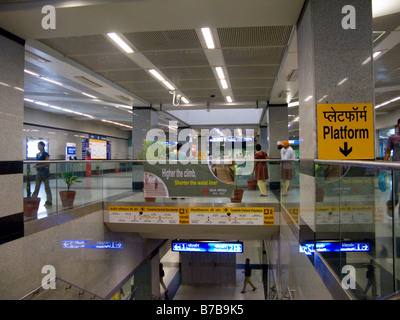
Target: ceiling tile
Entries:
(85, 45)
(252, 72)
(164, 40)
(254, 36)
(178, 58)
(127, 75)
(106, 62)
(254, 56)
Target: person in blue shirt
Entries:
(43, 174)
(247, 276)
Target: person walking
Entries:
(261, 170)
(43, 174)
(394, 144)
(287, 153)
(247, 276)
(371, 282)
(162, 275)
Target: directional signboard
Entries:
(309, 248)
(346, 131)
(204, 246)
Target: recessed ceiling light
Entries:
(185, 100)
(375, 54)
(220, 72)
(293, 104)
(89, 95)
(157, 75)
(41, 103)
(224, 84)
(168, 85)
(208, 38)
(121, 43)
(343, 81)
(31, 73)
(52, 81)
(387, 102)
(229, 99)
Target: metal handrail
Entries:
(392, 296)
(81, 291)
(388, 165)
(167, 160)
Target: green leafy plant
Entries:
(70, 179)
(161, 150)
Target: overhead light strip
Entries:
(121, 43)
(117, 123)
(387, 102)
(56, 107)
(166, 83)
(42, 77)
(208, 38)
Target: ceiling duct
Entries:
(35, 57)
(88, 82)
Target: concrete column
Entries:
(143, 120)
(327, 54)
(12, 61)
(277, 131)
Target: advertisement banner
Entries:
(189, 180)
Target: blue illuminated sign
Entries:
(230, 247)
(86, 244)
(309, 248)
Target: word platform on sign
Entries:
(346, 131)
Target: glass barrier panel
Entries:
(363, 223)
(117, 181)
(290, 188)
(395, 214)
(327, 212)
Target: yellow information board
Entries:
(346, 131)
(192, 215)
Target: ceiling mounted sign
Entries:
(346, 131)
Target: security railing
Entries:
(356, 226)
(89, 182)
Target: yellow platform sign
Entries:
(346, 131)
(192, 215)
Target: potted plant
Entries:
(97, 170)
(238, 192)
(31, 205)
(68, 196)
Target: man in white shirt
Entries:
(287, 153)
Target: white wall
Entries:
(62, 129)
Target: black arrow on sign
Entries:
(346, 151)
